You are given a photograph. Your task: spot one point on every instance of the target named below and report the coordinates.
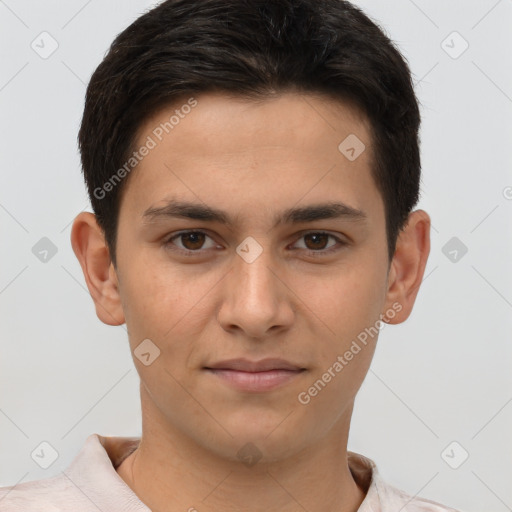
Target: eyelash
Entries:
(168, 244)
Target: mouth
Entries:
(255, 376)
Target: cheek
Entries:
(151, 305)
(346, 310)
(168, 306)
(350, 307)
(348, 299)
(155, 296)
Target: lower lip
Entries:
(255, 381)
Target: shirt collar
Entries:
(93, 471)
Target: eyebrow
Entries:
(198, 211)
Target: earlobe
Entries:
(408, 267)
(88, 242)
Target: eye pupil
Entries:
(193, 241)
(196, 238)
(317, 237)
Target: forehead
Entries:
(261, 153)
(289, 119)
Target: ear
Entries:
(89, 246)
(407, 267)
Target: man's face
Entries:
(300, 290)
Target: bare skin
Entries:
(201, 302)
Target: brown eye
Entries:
(316, 244)
(193, 240)
(189, 241)
(316, 240)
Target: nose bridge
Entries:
(253, 272)
(254, 300)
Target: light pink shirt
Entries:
(91, 484)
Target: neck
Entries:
(169, 472)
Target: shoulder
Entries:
(393, 497)
(55, 494)
(382, 496)
(89, 483)
(414, 503)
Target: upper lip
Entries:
(263, 365)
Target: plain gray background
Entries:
(443, 377)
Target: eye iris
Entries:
(194, 240)
(197, 240)
(316, 237)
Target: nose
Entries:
(256, 300)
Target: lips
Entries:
(255, 376)
(264, 365)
